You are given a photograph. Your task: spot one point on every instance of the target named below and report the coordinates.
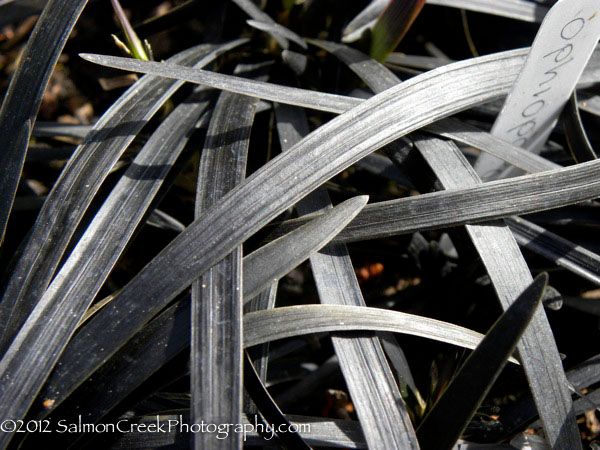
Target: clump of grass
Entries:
(300, 237)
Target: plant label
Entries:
(561, 50)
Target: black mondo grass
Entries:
(272, 233)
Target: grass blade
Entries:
(523, 412)
(289, 321)
(562, 252)
(52, 129)
(241, 215)
(260, 356)
(553, 247)
(461, 131)
(259, 328)
(566, 254)
(278, 30)
(92, 259)
(448, 418)
(514, 9)
(364, 20)
(152, 348)
(277, 258)
(577, 139)
(382, 166)
(470, 136)
(143, 360)
(24, 96)
(267, 91)
(308, 384)
(134, 44)
(380, 408)
(164, 221)
(313, 99)
(14, 10)
(216, 349)
(391, 26)
(469, 205)
(257, 14)
(269, 409)
(419, 62)
(452, 128)
(43, 153)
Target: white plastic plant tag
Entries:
(561, 50)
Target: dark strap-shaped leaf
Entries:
(260, 355)
(216, 345)
(288, 95)
(465, 133)
(141, 357)
(507, 237)
(152, 348)
(370, 381)
(535, 238)
(515, 9)
(577, 139)
(164, 221)
(46, 153)
(553, 247)
(257, 14)
(365, 19)
(278, 30)
(420, 62)
(468, 205)
(585, 374)
(269, 409)
(252, 88)
(508, 271)
(52, 129)
(175, 16)
(155, 345)
(277, 258)
(310, 383)
(279, 323)
(24, 96)
(582, 376)
(381, 165)
(450, 415)
(14, 10)
(391, 26)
